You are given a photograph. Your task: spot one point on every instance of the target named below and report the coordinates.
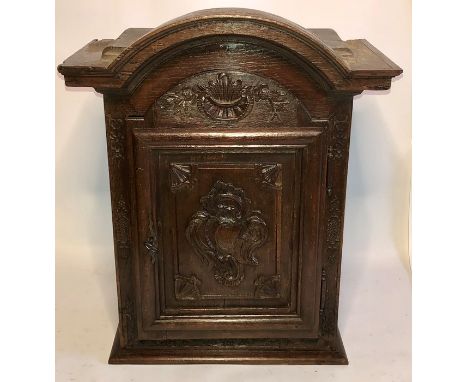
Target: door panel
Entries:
(220, 232)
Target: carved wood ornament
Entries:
(228, 135)
(224, 98)
(225, 233)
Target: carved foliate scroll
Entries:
(122, 224)
(225, 232)
(228, 97)
(116, 139)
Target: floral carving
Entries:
(339, 137)
(225, 233)
(225, 99)
(122, 229)
(179, 102)
(116, 139)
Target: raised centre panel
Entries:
(221, 224)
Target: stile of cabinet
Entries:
(228, 159)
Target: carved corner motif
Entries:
(267, 286)
(181, 176)
(225, 99)
(187, 287)
(269, 175)
(225, 232)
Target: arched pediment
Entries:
(118, 65)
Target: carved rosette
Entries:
(225, 233)
(225, 98)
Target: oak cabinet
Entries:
(228, 134)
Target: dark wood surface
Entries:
(228, 134)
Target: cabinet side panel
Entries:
(118, 157)
(337, 168)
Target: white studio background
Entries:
(375, 306)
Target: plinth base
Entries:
(248, 354)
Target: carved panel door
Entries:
(221, 220)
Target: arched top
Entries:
(113, 65)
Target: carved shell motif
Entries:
(225, 99)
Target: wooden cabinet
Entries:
(228, 135)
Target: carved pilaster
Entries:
(121, 214)
(337, 161)
(117, 167)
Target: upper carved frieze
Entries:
(223, 97)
